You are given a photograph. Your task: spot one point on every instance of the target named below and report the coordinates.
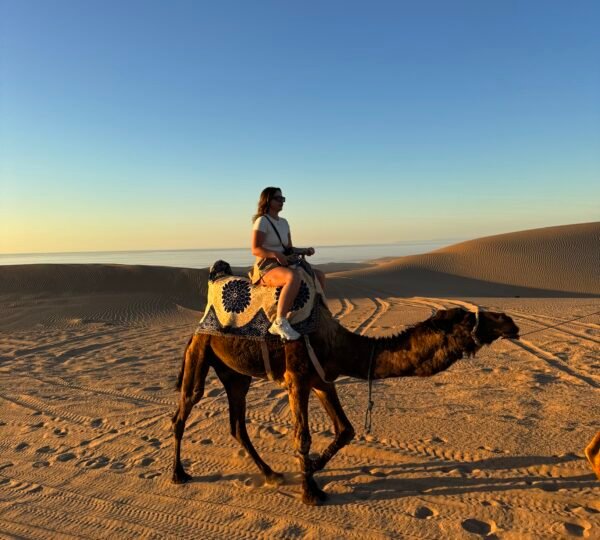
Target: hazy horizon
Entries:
(233, 248)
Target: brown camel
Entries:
(423, 350)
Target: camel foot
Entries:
(314, 498)
(312, 494)
(274, 478)
(180, 477)
(592, 453)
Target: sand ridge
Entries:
(553, 261)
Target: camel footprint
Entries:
(424, 512)
(96, 463)
(578, 530)
(476, 526)
(67, 456)
(149, 475)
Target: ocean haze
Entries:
(202, 258)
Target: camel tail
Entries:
(180, 376)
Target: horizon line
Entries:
(156, 250)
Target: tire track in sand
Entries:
(553, 360)
(381, 307)
(553, 327)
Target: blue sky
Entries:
(149, 125)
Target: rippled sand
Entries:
(492, 447)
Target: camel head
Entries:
(494, 325)
(491, 326)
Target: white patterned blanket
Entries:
(235, 307)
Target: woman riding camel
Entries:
(272, 245)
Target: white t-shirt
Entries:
(272, 242)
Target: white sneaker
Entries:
(282, 327)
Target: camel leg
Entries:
(344, 432)
(592, 453)
(192, 380)
(236, 386)
(298, 392)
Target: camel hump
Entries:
(219, 269)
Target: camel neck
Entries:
(419, 351)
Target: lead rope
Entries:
(559, 324)
(370, 403)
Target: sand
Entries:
(492, 448)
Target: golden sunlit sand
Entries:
(492, 447)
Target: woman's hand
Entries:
(310, 251)
(281, 258)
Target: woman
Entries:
(270, 239)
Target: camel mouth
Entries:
(512, 335)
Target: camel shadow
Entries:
(387, 489)
(385, 486)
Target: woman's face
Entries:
(277, 201)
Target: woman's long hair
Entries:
(265, 200)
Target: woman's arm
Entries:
(258, 238)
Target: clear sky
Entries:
(142, 125)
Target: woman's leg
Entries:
(290, 281)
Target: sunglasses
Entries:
(279, 199)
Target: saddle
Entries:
(235, 307)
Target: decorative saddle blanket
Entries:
(235, 307)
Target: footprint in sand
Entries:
(21, 446)
(375, 471)
(97, 422)
(263, 524)
(206, 441)
(424, 512)
(118, 466)
(144, 462)
(577, 530)
(151, 441)
(60, 432)
(67, 456)
(96, 463)
(477, 526)
(149, 475)
(40, 464)
(293, 531)
(45, 450)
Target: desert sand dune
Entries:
(492, 448)
(549, 262)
